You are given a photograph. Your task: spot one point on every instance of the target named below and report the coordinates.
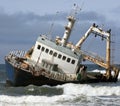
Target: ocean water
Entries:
(97, 94)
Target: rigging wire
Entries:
(49, 34)
(113, 48)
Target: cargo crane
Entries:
(97, 59)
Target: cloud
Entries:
(20, 30)
(115, 10)
(91, 16)
(19, 26)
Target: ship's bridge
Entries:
(66, 59)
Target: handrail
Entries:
(18, 53)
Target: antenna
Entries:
(75, 10)
(51, 27)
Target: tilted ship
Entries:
(53, 62)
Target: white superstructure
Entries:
(66, 59)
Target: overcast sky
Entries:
(22, 21)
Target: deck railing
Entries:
(18, 53)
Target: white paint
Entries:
(63, 64)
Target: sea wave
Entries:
(73, 94)
(66, 94)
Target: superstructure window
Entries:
(55, 54)
(59, 56)
(51, 52)
(64, 57)
(73, 61)
(38, 47)
(43, 49)
(68, 60)
(47, 50)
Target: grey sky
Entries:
(21, 22)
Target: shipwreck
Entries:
(57, 61)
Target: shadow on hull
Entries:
(19, 77)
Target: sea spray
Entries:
(66, 94)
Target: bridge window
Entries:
(43, 49)
(68, 60)
(55, 54)
(59, 56)
(47, 50)
(73, 61)
(51, 52)
(38, 47)
(64, 57)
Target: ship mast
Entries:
(69, 26)
(108, 54)
(68, 29)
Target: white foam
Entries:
(96, 89)
(33, 100)
(70, 92)
(102, 89)
(103, 71)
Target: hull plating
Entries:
(19, 77)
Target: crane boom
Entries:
(103, 63)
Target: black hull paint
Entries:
(19, 77)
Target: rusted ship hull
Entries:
(19, 77)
